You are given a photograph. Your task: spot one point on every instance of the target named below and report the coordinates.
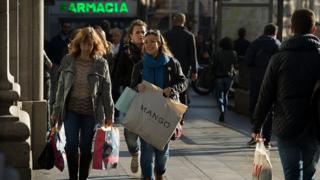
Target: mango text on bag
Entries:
(155, 116)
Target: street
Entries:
(207, 150)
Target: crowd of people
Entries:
(90, 66)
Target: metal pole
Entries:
(280, 19)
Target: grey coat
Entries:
(100, 87)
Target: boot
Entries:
(158, 176)
(221, 117)
(73, 161)
(85, 162)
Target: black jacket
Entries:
(129, 56)
(173, 77)
(288, 84)
(258, 56)
(183, 46)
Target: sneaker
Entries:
(251, 143)
(267, 145)
(135, 163)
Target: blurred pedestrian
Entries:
(83, 99)
(288, 86)
(117, 48)
(224, 62)
(131, 55)
(183, 46)
(257, 59)
(58, 48)
(160, 68)
(241, 44)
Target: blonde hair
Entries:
(87, 34)
(163, 49)
(102, 35)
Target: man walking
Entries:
(183, 46)
(288, 85)
(257, 57)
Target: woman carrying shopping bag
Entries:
(83, 99)
(161, 69)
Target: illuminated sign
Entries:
(112, 8)
(94, 7)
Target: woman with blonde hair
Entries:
(83, 99)
(160, 68)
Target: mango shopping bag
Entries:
(153, 117)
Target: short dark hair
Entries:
(242, 32)
(270, 29)
(302, 21)
(226, 43)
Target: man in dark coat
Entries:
(183, 46)
(258, 56)
(241, 44)
(58, 48)
(288, 86)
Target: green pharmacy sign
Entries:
(94, 7)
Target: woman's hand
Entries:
(141, 87)
(54, 118)
(167, 91)
(108, 122)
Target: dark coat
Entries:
(128, 57)
(259, 54)
(183, 46)
(58, 48)
(173, 77)
(288, 84)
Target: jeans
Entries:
(161, 158)
(221, 92)
(299, 158)
(74, 124)
(132, 141)
(267, 127)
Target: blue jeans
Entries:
(161, 158)
(74, 124)
(299, 158)
(132, 141)
(222, 86)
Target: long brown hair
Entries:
(163, 49)
(87, 34)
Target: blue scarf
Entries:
(153, 69)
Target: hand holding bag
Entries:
(46, 158)
(262, 168)
(106, 147)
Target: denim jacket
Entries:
(99, 85)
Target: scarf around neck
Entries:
(153, 69)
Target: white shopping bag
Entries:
(125, 100)
(262, 168)
(153, 117)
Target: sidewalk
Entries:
(208, 150)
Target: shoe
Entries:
(267, 145)
(135, 163)
(221, 117)
(251, 143)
